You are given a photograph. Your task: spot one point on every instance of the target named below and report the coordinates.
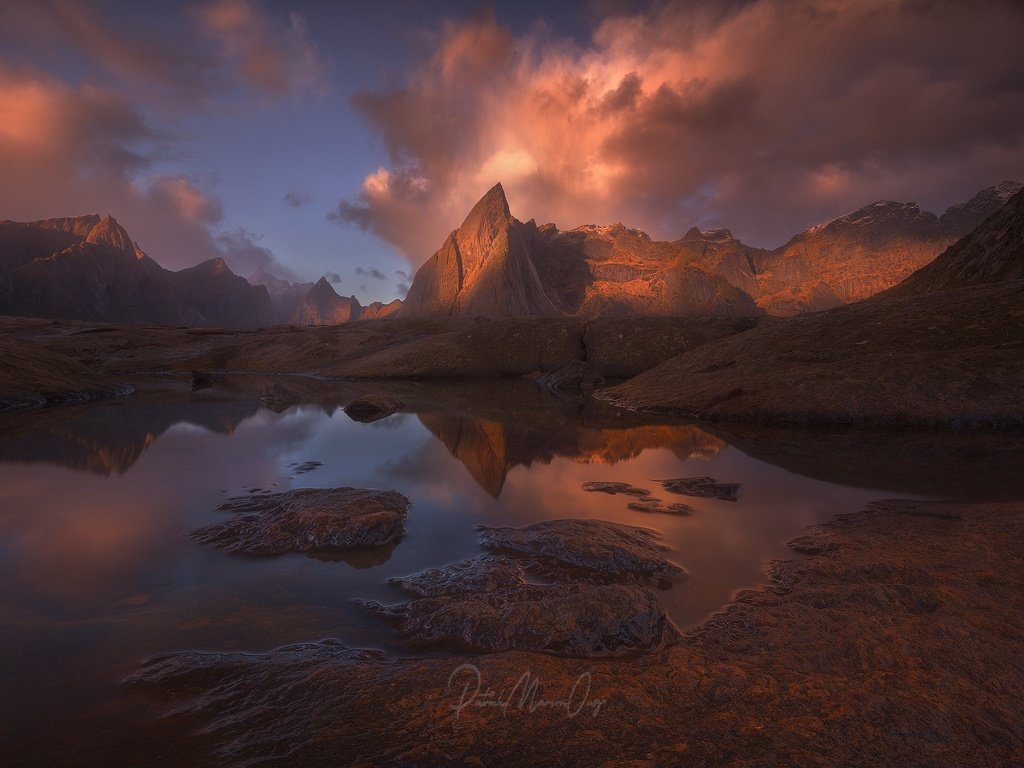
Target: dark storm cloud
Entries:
(376, 274)
(765, 116)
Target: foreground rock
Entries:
(702, 487)
(595, 547)
(913, 614)
(372, 408)
(579, 620)
(309, 519)
(486, 605)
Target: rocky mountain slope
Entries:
(88, 268)
(494, 265)
(946, 346)
(992, 253)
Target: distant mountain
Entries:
(284, 295)
(992, 253)
(495, 265)
(323, 306)
(378, 309)
(88, 268)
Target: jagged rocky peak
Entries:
(719, 235)
(108, 232)
(878, 213)
(963, 217)
(488, 217)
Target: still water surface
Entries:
(97, 571)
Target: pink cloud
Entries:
(766, 117)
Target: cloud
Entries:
(333, 277)
(401, 273)
(376, 274)
(401, 289)
(296, 199)
(83, 149)
(765, 116)
(265, 53)
(217, 51)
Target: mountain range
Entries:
(496, 265)
(89, 268)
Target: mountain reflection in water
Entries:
(96, 503)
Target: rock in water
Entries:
(486, 573)
(703, 487)
(372, 408)
(603, 549)
(656, 507)
(308, 519)
(614, 488)
(277, 398)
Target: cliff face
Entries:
(88, 268)
(494, 265)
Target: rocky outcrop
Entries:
(88, 268)
(377, 310)
(308, 519)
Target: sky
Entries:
(346, 139)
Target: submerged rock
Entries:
(564, 619)
(372, 408)
(306, 466)
(703, 487)
(657, 507)
(308, 519)
(614, 488)
(595, 546)
(277, 398)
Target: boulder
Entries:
(372, 408)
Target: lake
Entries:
(97, 570)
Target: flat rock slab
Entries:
(703, 487)
(372, 408)
(658, 508)
(580, 620)
(595, 546)
(308, 519)
(481, 574)
(615, 488)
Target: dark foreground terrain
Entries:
(896, 643)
